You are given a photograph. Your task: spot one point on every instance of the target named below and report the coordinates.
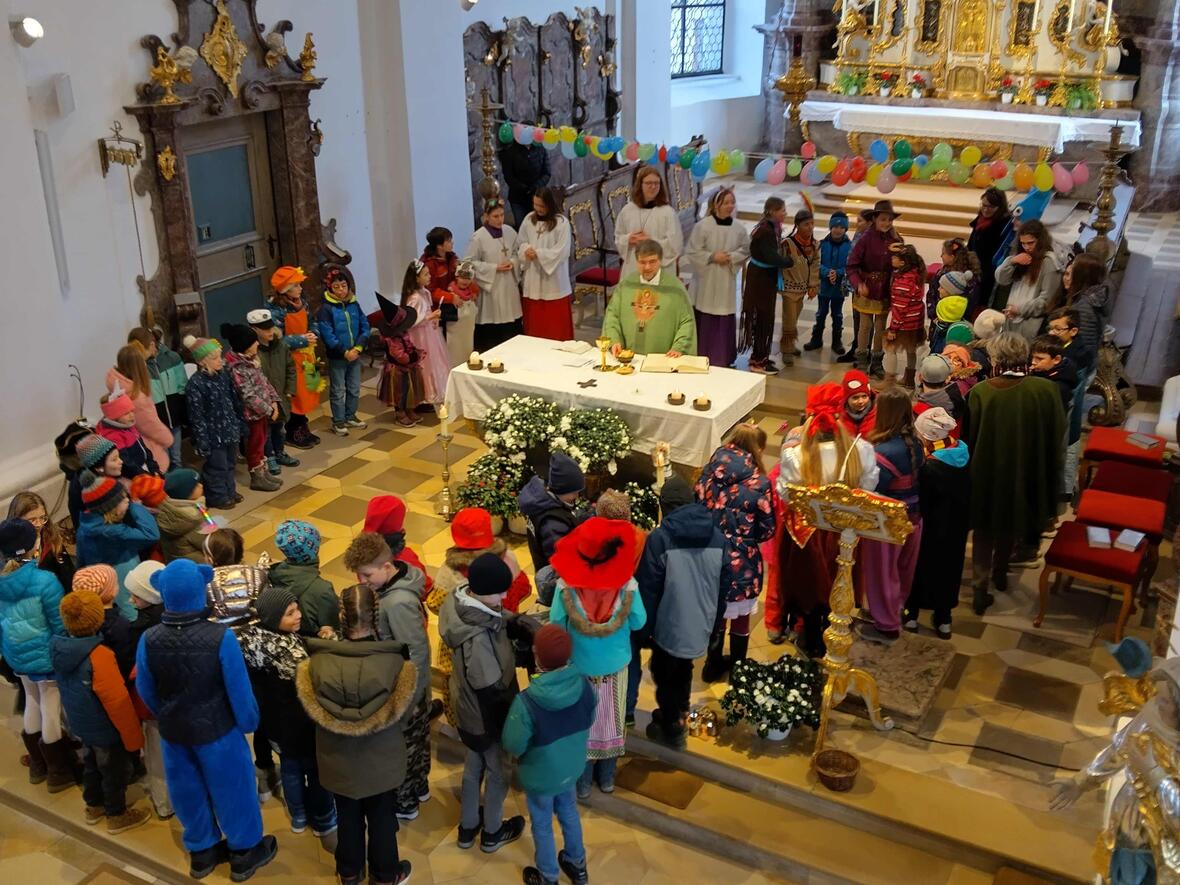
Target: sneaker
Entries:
(509, 831)
(583, 789)
(846, 356)
(576, 872)
(467, 837)
(788, 360)
(629, 720)
(286, 460)
(272, 465)
(424, 796)
(227, 505)
(94, 813)
(405, 419)
(128, 820)
(238, 499)
(776, 637)
(943, 631)
(607, 785)
(1027, 562)
(340, 429)
(356, 422)
(981, 605)
(813, 345)
(202, 863)
(298, 824)
(403, 874)
(532, 876)
(766, 368)
(910, 626)
(244, 864)
(870, 633)
(409, 812)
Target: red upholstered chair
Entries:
(1117, 511)
(1071, 556)
(1128, 479)
(1110, 444)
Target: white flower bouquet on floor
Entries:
(774, 696)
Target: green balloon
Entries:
(902, 150)
(902, 164)
(925, 172)
(686, 157)
(942, 150)
(505, 132)
(794, 167)
(1005, 183)
(958, 172)
(580, 146)
(938, 163)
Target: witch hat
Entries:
(397, 318)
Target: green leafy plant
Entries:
(645, 505)
(517, 423)
(850, 82)
(775, 695)
(493, 482)
(592, 437)
(1081, 95)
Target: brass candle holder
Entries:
(603, 345)
(445, 505)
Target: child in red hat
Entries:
(386, 515)
(860, 404)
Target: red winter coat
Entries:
(907, 310)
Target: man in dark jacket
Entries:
(526, 168)
(679, 577)
(274, 356)
(482, 686)
(550, 508)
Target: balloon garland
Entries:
(884, 168)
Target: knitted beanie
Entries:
(385, 514)
(960, 333)
(838, 219)
(934, 424)
(239, 336)
(100, 494)
(935, 369)
(988, 324)
(139, 581)
(271, 604)
(489, 575)
(17, 537)
(955, 282)
(675, 493)
(180, 483)
(81, 613)
(613, 505)
(148, 489)
(564, 474)
(200, 348)
(98, 579)
(93, 449)
(117, 406)
(552, 647)
(297, 540)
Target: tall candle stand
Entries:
(445, 504)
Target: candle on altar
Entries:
(1106, 22)
(1069, 21)
(445, 419)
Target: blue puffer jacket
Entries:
(29, 616)
(119, 545)
(343, 326)
(215, 415)
(89, 721)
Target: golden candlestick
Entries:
(1025, 94)
(603, 344)
(488, 186)
(445, 505)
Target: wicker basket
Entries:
(837, 770)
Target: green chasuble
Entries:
(650, 318)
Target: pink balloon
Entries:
(810, 175)
(778, 172)
(1062, 179)
(539, 134)
(886, 181)
(632, 152)
(998, 169)
(1080, 174)
(807, 152)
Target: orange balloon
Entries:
(981, 176)
(1022, 176)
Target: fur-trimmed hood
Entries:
(459, 559)
(354, 689)
(583, 625)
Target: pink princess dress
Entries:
(428, 338)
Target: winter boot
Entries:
(861, 360)
(838, 343)
(244, 864)
(202, 863)
(37, 768)
(62, 768)
(716, 664)
(847, 356)
(907, 380)
(262, 481)
(286, 460)
(301, 438)
(877, 365)
(272, 466)
(817, 339)
(738, 646)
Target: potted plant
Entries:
(493, 482)
(917, 86)
(1008, 89)
(517, 423)
(774, 697)
(851, 82)
(1042, 89)
(886, 80)
(592, 437)
(645, 505)
(1080, 96)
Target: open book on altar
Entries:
(685, 365)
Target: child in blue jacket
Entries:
(216, 420)
(833, 255)
(345, 329)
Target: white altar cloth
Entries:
(534, 367)
(1040, 130)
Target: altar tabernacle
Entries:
(650, 311)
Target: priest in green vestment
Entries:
(649, 311)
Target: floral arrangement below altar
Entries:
(774, 697)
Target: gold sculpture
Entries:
(168, 72)
(794, 85)
(223, 51)
(854, 514)
(166, 163)
(970, 26)
(307, 59)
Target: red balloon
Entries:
(841, 174)
(907, 175)
(858, 172)
(539, 134)
(807, 152)
(663, 154)
(859, 166)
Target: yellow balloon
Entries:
(970, 155)
(1043, 177)
(720, 163)
(873, 173)
(568, 134)
(826, 163)
(1022, 176)
(981, 176)
(552, 136)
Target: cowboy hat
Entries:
(881, 206)
(597, 555)
(397, 319)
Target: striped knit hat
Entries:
(148, 489)
(100, 494)
(98, 579)
(200, 347)
(93, 449)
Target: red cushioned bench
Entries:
(1110, 444)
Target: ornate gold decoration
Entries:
(855, 514)
(1060, 32)
(166, 163)
(891, 12)
(575, 210)
(168, 72)
(1122, 695)
(931, 26)
(488, 186)
(1026, 95)
(996, 150)
(794, 85)
(583, 29)
(223, 51)
(969, 35)
(1024, 23)
(613, 200)
(118, 149)
(307, 59)
(1103, 223)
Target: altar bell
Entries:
(650, 311)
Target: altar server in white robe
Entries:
(544, 251)
(647, 216)
(492, 252)
(717, 249)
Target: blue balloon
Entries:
(762, 170)
(526, 135)
(618, 143)
(673, 154)
(700, 165)
(567, 150)
(921, 160)
(879, 150)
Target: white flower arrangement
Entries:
(645, 505)
(594, 438)
(774, 695)
(517, 423)
(493, 483)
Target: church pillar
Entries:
(797, 29)
(1155, 167)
